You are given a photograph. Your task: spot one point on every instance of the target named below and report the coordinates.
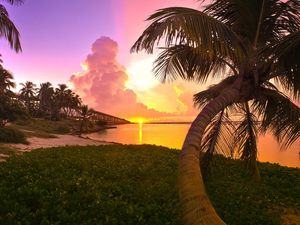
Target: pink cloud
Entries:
(102, 86)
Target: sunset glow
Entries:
(140, 75)
(139, 120)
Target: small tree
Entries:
(85, 113)
(10, 110)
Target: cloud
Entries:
(102, 84)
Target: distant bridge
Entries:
(108, 119)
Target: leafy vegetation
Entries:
(9, 135)
(127, 184)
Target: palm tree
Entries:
(73, 103)
(27, 94)
(60, 95)
(6, 82)
(8, 29)
(255, 45)
(45, 96)
(66, 100)
(85, 113)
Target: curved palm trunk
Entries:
(196, 206)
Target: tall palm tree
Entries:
(45, 96)
(60, 95)
(7, 28)
(27, 94)
(255, 45)
(72, 103)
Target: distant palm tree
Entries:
(45, 96)
(72, 102)
(27, 94)
(6, 82)
(7, 27)
(85, 113)
(255, 45)
(60, 95)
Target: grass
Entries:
(44, 128)
(127, 184)
(6, 150)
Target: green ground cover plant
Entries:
(10, 135)
(134, 184)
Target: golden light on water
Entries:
(141, 132)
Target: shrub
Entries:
(9, 135)
(23, 122)
(62, 130)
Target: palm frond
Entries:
(178, 25)
(188, 63)
(286, 68)
(278, 18)
(203, 97)
(217, 138)
(279, 115)
(15, 2)
(8, 30)
(246, 136)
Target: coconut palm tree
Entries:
(60, 95)
(255, 46)
(7, 28)
(73, 103)
(27, 94)
(45, 95)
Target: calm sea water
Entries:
(172, 135)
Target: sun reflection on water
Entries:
(141, 132)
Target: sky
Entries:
(86, 44)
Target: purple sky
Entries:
(56, 36)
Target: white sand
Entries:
(61, 140)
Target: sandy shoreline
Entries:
(61, 140)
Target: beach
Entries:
(60, 140)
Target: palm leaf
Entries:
(245, 138)
(286, 70)
(217, 138)
(188, 63)
(278, 18)
(177, 25)
(8, 30)
(279, 115)
(14, 2)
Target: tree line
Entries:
(43, 101)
